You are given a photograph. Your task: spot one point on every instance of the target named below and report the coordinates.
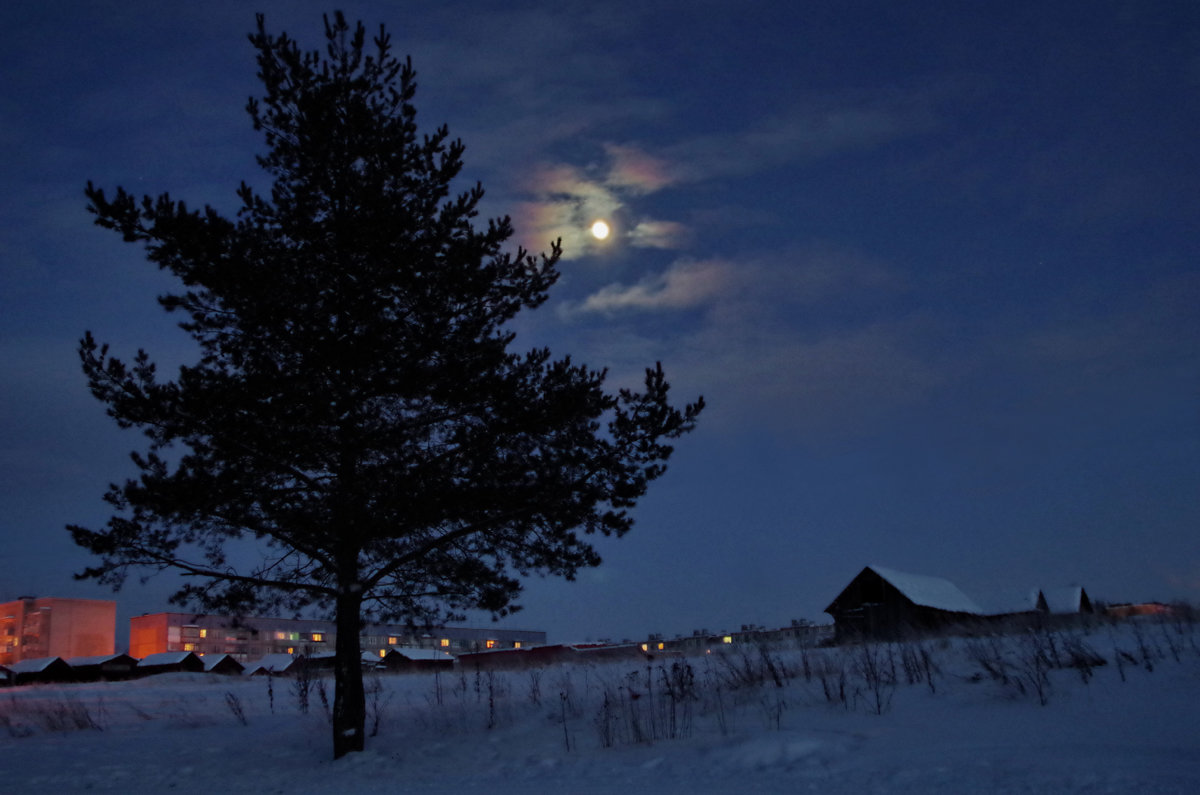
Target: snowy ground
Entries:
(742, 723)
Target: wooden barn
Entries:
(406, 660)
(273, 665)
(39, 671)
(888, 604)
(170, 662)
(223, 664)
(103, 667)
(1070, 600)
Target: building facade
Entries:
(31, 628)
(252, 637)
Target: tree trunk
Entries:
(349, 700)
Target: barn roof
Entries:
(420, 654)
(166, 658)
(273, 663)
(1067, 599)
(100, 659)
(211, 661)
(34, 666)
(1008, 602)
(929, 591)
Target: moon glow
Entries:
(600, 230)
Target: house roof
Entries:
(929, 591)
(100, 659)
(36, 665)
(420, 654)
(1067, 599)
(1008, 602)
(166, 658)
(275, 663)
(211, 661)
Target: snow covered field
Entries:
(733, 721)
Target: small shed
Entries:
(272, 664)
(40, 670)
(406, 660)
(223, 664)
(1067, 600)
(170, 662)
(884, 603)
(103, 667)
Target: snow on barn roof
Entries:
(1008, 602)
(100, 659)
(36, 665)
(272, 663)
(929, 591)
(421, 654)
(211, 661)
(165, 658)
(1068, 599)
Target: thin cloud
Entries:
(801, 134)
(636, 171)
(684, 285)
(760, 286)
(659, 234)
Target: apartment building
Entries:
(32, 627)
(252, 637)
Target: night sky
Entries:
(932, 265)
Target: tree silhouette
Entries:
(355, 413)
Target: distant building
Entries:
(885, 603)
(34, 628)
(253, 637)
(889, 604)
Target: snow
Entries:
(421, 654)
(99, 659)
(929, 591)
(165, 658)
(1128, 728)
(1063, 600)
(272, 663)
(32, 666)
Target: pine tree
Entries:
(355, 411)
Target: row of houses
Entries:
(112, 667)
(40, 628)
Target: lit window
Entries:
(318, 636)
(189, 647)
(291, 650)
(727, 639)
(392, 640)
(383, 652)
(280, 635)
(516, 644)
(445, 642)
(662, 646)
(645, 647)
(204, 633)
(491, 644)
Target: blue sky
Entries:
(933, 266)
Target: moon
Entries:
(600, 230)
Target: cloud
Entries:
(799, 134)
(658, 234)
(686, 284)
(766, 284)
(636, 171)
